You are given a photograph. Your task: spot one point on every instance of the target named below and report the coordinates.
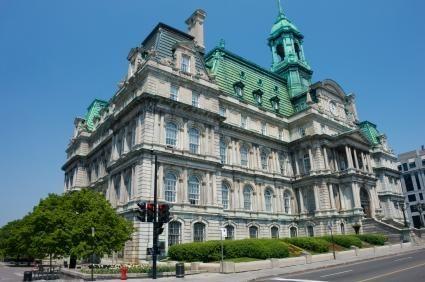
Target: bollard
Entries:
(179, 270)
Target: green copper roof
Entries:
(370, 131)
(93, 111)
(230, 70)
(283, 24)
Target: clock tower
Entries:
(286, 43)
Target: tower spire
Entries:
(280, 8)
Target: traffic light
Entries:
(164, 213)
(141, 211)
(150, 215)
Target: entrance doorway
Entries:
(365, 202)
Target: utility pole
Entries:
(155, 218)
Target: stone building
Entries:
(412, 168)
(261, 152)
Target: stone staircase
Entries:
(394, 234)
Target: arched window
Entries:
(174, 233)
(171, 134)
(223, 149)
(310, 231)
(264, 160)
(199, 232)
(170, 187)
(293, 232)
(194, 140)
(268, 200)
(244, 156)
(253, 232)
(193, 190)
(230, 232)
(274, 231)
(280, 51)
(297, 50)
(287, 202)
(225, 195)
(247, 194)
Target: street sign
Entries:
(223, 232)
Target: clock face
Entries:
(332, 107)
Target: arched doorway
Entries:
(365, 202)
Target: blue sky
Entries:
(57, 56)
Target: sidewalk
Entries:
(251, 275)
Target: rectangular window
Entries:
(307, 165)
(195, 99)
(222, 111)
(244, 121)
(421, 197)
(411, 198)
(174, 92)
(263, 128)
(185, 63)
(408, 181)
(301, 131)
(405, 167)
(423, 162)
(418, 184)
(399, 168)
(412, 165)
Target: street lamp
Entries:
(92, 255)
(403, 209)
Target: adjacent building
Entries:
(261, 152)
(412, 168)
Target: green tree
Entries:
(61, 225)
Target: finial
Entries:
(280, 7)
(222, 44)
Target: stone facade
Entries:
(237, 147)
(412, 168)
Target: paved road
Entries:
(405, 267)
(12, 273)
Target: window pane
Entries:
(244, 156)
(198, 232)
(223, 148)
(193, 140)
(170, 187)
(171, 134)
(268, 200)
(247, 198)
(275, 232)
(225, 196)
(185, 63)
(174, 231)
(193, 190)
(253, 232)
(195, 99)
(264, 160)
(174, 92)
(230, 232)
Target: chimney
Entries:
(195, 26)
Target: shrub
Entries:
(373, 239)
(211, 250)
(317, 245)
(345, 241)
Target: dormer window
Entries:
(242, 75)
(238, 86)
(258, 96)
(260, 82)
(185, 63)
(275, 103)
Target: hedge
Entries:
(211, 250)
(316, 245)
(373, 239)
(345, 241)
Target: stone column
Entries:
(325, 155)
(300, 194)
(336, 160)
(363, 162)
(349, 160)
(312, 164)
(317, 197)
(356, 195)
(240, 194)
(161, 137)
(183, 184)
(369, 163)
(331, 196)
(297, 167)
(355, 159)
(183, 143)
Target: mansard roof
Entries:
(93, 112)
(230, 69)
(370, 131)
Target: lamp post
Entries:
(92, 255)
(403, 209)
